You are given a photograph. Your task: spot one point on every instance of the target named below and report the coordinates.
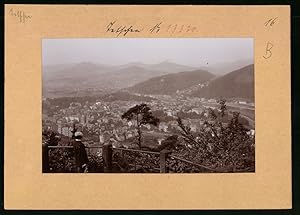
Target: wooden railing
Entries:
(108, 151)
(136, 160)
(199, 166)
(45, 154)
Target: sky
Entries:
(111, 51)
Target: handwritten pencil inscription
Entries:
(20, 15)
(268, 53)
(121, 30)
(160, 27)
(156, 28)
(270, 22)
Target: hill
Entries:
(236, 84)
(72, 76)
(50, 104)
(80, 76)
(223, 68)
(170, 67)
(123, 96)
(169, 84)
(87, 75)
(164, 67)
(65, 79)
(126, 77)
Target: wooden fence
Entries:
(45, 154)
(107, 154)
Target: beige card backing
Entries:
(27, 188)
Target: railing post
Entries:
(107, 157)
(163, 160)
(45, 158)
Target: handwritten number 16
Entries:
(270, 22)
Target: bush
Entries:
(61, 160)
(223, 148)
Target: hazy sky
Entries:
(190, 51)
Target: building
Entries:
(101, 138)
(251, 132)
(132, 123)
(193, 127)
(129, 134)
(242, 102)
(59, 127)
(66, 131)
(163, 127)
(83, 119)
(197, 110)
(169, 113)
(147, 126)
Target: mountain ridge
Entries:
(85, 75)
(236, 84)
(170, 83)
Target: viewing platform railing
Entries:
(159, 160)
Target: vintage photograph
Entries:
(148, 105)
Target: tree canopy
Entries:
(142, 115)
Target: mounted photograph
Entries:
(148, 105)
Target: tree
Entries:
(223, 108)
(142, 115)
(51, 138)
